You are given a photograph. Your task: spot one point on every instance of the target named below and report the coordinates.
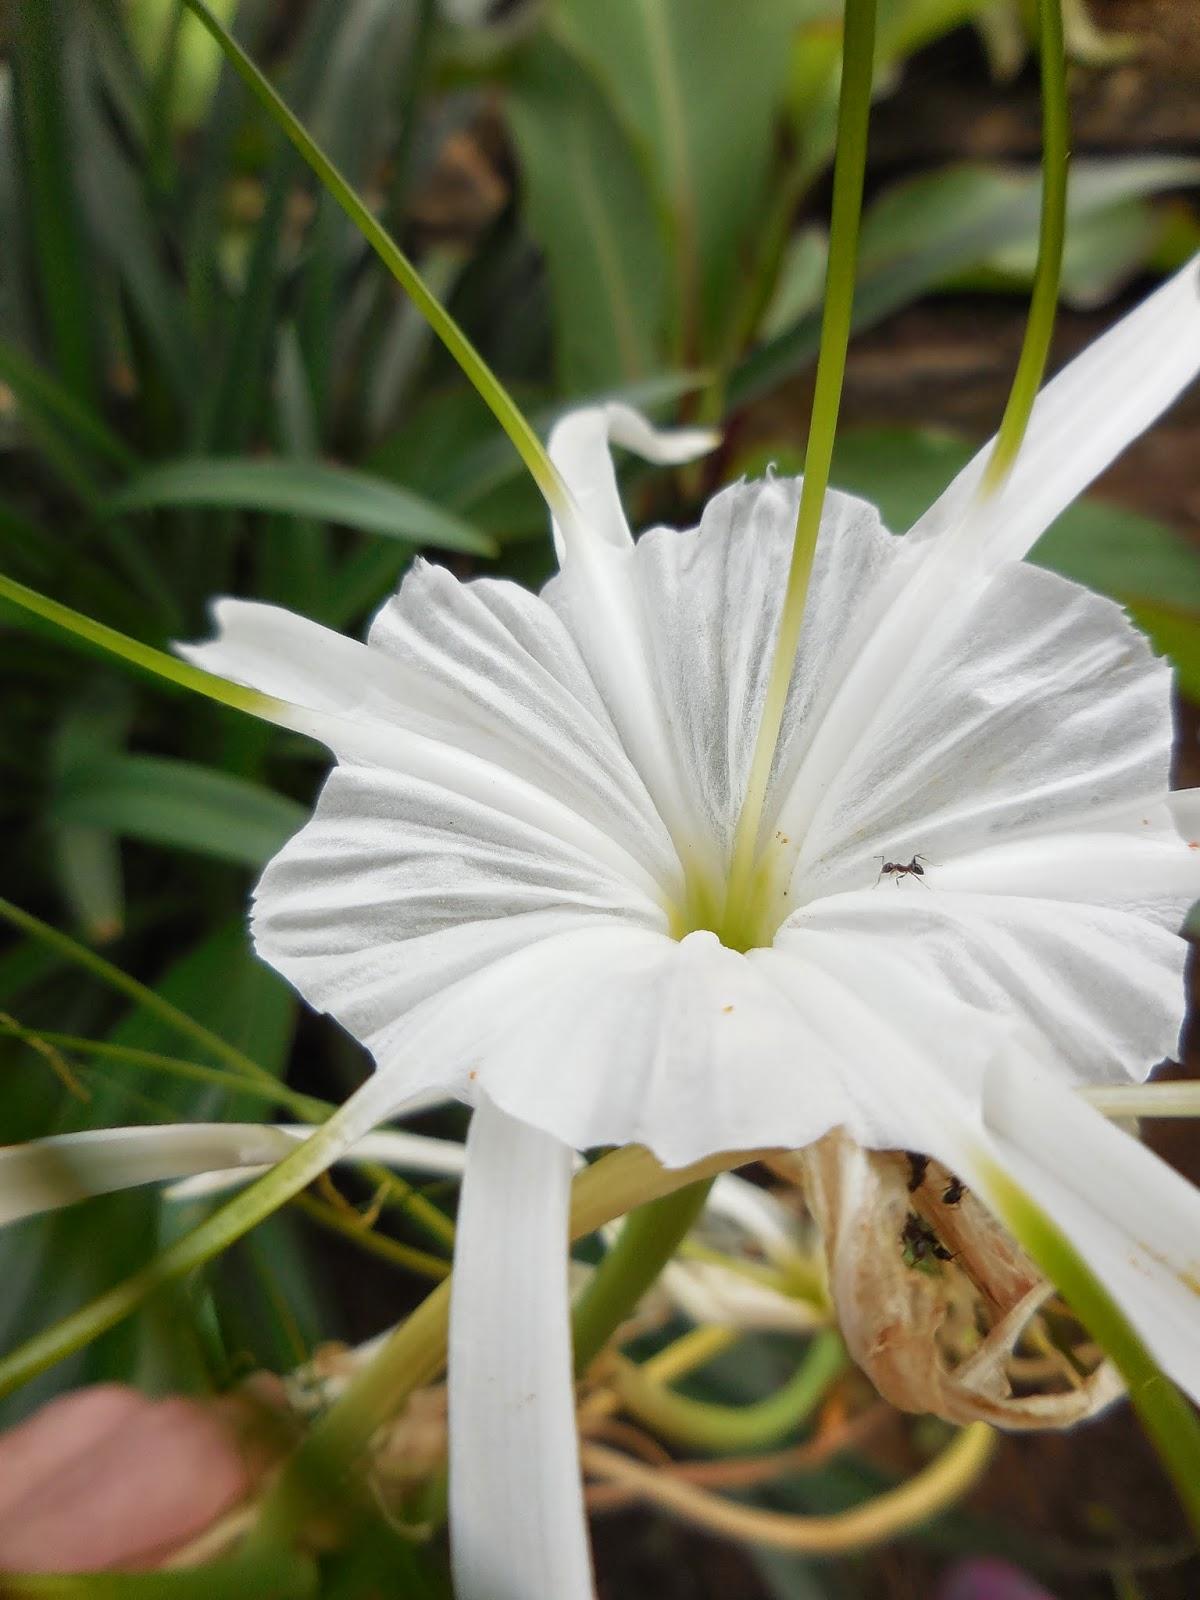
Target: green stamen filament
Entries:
(1052, 231)
(738, 926)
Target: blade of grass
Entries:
(62, 256)
(37, 389)
(236, 398)
(114, 978)
(88, 858)
(114, 201)
(489, 387)
(293, 555)
(307, 1107)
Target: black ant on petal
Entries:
(899, 869)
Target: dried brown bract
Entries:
(938, 1305)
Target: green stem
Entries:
(650, 1237)
(1051, 235)
(221, 1230)
(144, 656)
(321, 1469)
(1166, 1415)
(306, 1106)
(854, 108)
(401, 1196)
(179, 1021)
(349, 1224)
(268, 1572)
(527, 444)
(700, 1425)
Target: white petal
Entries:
(611, 1035)
(491, 669)
(1185, 810)
(1133, 1220)
(517, 1522)
(713, 596)
(397, 893)
(1026, 706)
(597, 595)
(45, 1174)
(886, 1027)
(1094, 990)
(1081, 422)
(476, 689)
(1142, 868)
(579, 448)
(758, 1213)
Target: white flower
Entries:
(511, 887)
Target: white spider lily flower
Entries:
(512, 886)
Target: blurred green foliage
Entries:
(207, 384)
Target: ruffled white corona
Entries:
(511, 888)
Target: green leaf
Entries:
(927, 231)
(800, 284)
(233, 399)
(62, 266)
(590, 209)
(1132, 557)
(153, 28)
(1103, 253)
(113, 201)
(698, 85)
(292, 556)
(222, 984)
(180, 804)
(87, 859)
(1175, 634)
(303, 489)
(40, 391)
(52, 1263)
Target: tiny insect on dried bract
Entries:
(920, 1245)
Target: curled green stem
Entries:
(702, 1425)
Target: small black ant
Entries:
(920, 1245)
(954, 1192)
(898, 869)
(918, 1166)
